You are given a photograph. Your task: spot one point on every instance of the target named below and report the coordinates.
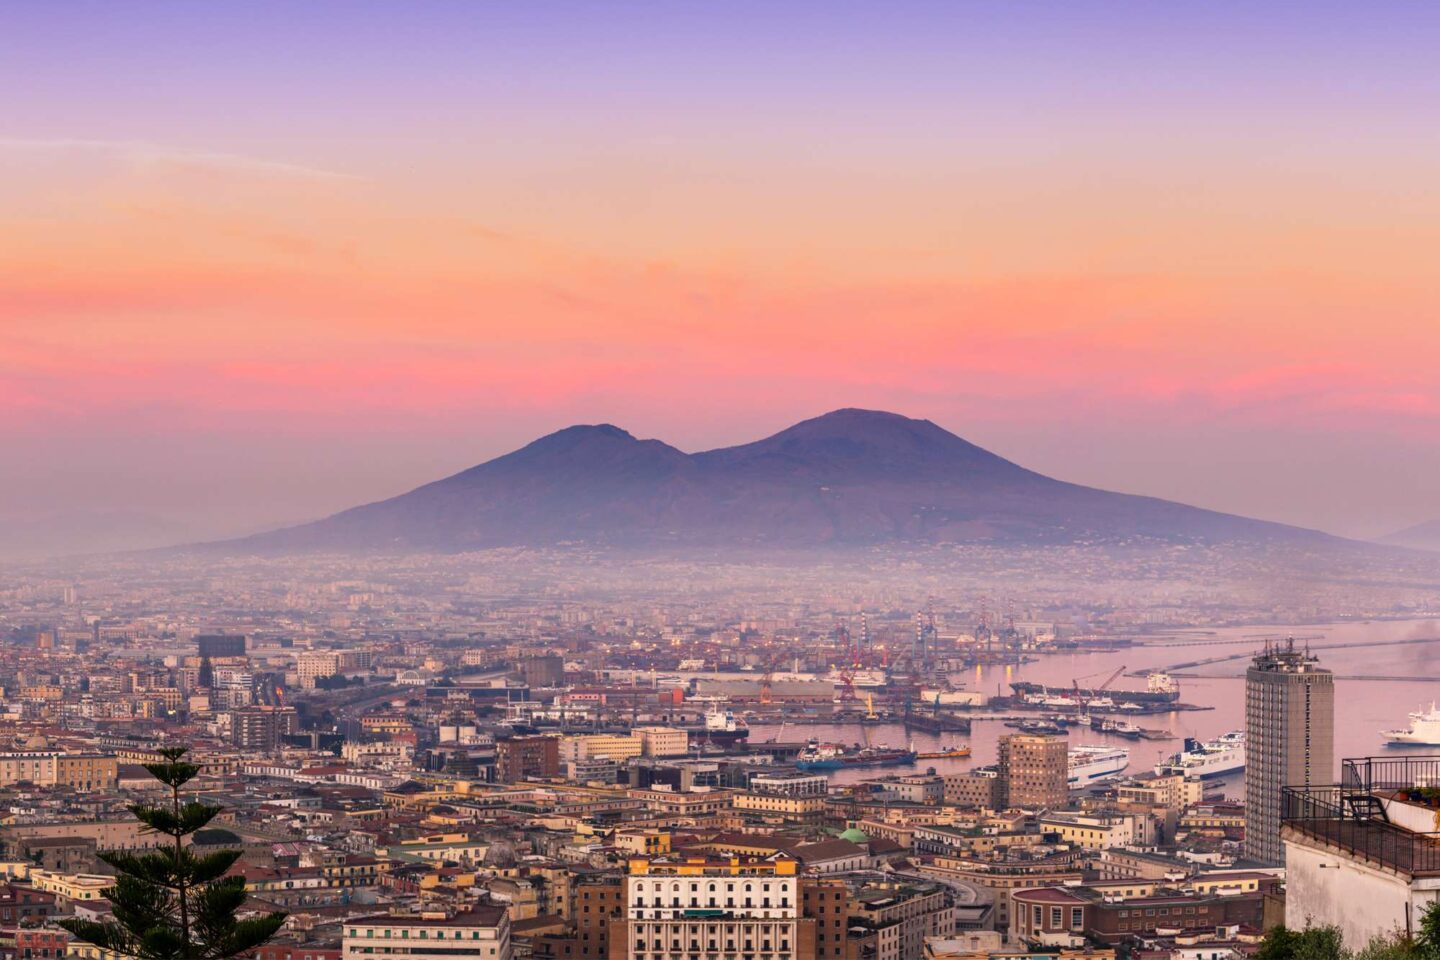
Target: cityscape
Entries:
(746, 481)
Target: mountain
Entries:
(851, 477)
(1422, 536)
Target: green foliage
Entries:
(1323, 943)
(172, 903)
(1312, 943)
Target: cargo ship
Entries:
(1160, 688)
(832, 756)
(1212, 758)
(721, 728)
(1088, 764)
(963, 750)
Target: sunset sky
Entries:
(259, 262)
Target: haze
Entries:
(252, 276)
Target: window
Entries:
(1077, 918)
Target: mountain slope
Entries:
(1422, 536)
(849, 477)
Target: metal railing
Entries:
(1370, 774)
(1345, 816)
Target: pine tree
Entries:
(171, 904)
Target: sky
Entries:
(263, 261)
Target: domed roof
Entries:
(854, 836)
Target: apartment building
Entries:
(709, 909)
(482, 933)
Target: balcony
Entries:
(1381, 812)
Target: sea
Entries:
(1383, 670)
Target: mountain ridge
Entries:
(849, 477)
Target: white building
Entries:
(1363, 856)
(482, 933)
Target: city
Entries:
(658, 480)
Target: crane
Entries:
(1083, 700)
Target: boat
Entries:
(1424, 728)
(963, 750)
(1090, 763)
(721, 727)
(1118, 728)
(1212, 758)
(1160, 688)
(833, 756)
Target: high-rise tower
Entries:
(1289, 739)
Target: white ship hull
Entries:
(1089, 766)
(1213, 759)
(1424, 729)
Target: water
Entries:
(1408, 649)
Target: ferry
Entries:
(1424, 729)
(1090, 763)
(963, 750)
(1212, 758)
(832, 756)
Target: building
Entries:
(790, 784)
(1033, 771)
(546, 671)
(663, 741)
(262, 728)
(35, 767)
(1289, 739)
(600, 746)
(483, 933)
(310, 667)
(1113, 911)
(1362, 855)
(521, 758)
(891, 921)
(87, 771)
(704, 909)
(827, 903)
(219, 645)
(972, 789)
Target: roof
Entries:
(484, 915)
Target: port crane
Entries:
(1083, 700)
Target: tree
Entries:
(171, 904)
(1312, 943)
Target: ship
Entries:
(1212, 758)
(831, 756)
(1089, 763)
(1160, 688)
(721, 728)
(1424, 729)
(963, 750)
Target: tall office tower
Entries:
(1034, 771)
(1289, 739)
(701, 909)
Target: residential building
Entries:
(520, 758)
(709, 909)
(1033, 771)
(483, 932)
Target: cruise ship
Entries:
(1212, 758)
(1088, 763)
(1424, 728)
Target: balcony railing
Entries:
(1351, 819)
(1381, 774)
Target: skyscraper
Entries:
(1289, 739)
